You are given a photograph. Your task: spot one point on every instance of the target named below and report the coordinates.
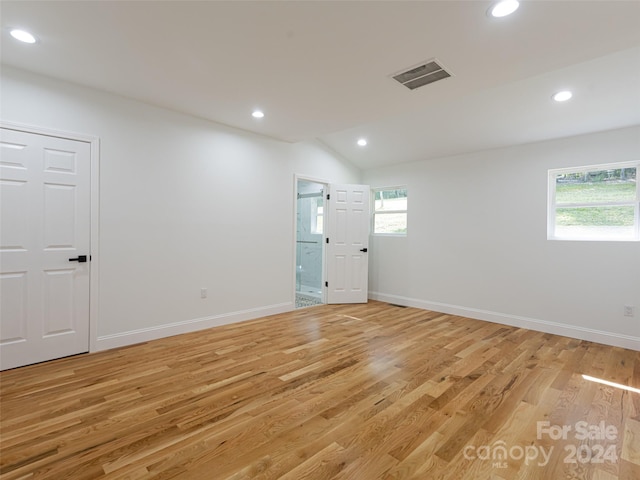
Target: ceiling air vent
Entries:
(422, 75)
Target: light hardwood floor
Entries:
(358, 392)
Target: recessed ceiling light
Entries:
(562, 96)
(504, 8)
(257, 114)
(22, 35)
(362, 142)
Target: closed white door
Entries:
(44, 232)
(348, 234)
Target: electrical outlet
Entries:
(628, 310)
(203, 293)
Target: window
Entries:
(317, 214)
(390, 211)
(600, 202)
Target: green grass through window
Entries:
(594, 192)
(619, 191)
(595, 216)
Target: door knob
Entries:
(79, 259)
(363, 250)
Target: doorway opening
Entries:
(310, 243)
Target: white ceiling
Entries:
(321, 70)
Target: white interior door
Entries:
(348, 234)
(45, 222)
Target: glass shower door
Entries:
(309, 243)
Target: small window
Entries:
(390, 211)
(317, 215)
(594, 203)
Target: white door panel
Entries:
(14, 287)
(45, 221)
(348, 233)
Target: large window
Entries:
(600, 202)
(390, 211)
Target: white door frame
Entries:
(95, 213)
(324, 182)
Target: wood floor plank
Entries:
(349, 392)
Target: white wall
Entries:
(477, 243)
(184, 204)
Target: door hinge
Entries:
(326, 284)
(328, 196)
(327, 239)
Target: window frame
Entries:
(386, 212)
(552, 205)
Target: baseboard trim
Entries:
(599, 336)
(132, 337)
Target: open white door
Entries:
(348, 240)
(44, 247)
